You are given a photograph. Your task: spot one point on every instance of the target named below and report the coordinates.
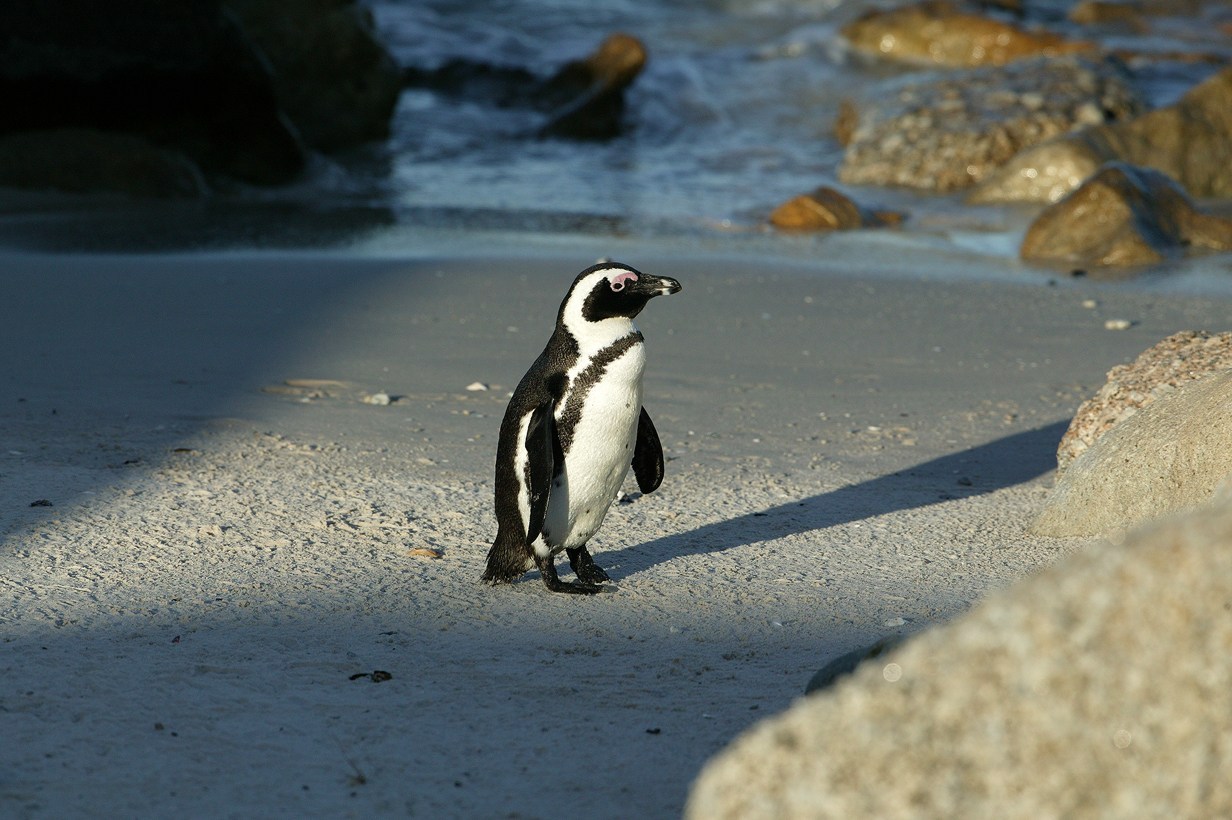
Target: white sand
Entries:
(849, 458)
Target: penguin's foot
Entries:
(547, 569)
(585, 568)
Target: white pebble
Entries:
(1117, 324)
(1090, 304)
(476, 387)
(896, 622)
(379, 399)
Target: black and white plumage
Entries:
(573, 427)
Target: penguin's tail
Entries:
(508, 559)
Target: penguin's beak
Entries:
(651, 285)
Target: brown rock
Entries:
(1101, 687)
(949, 131)
(588, 94)
(936, 32)
(334, 79)
(1190, 142)
(87, 161)
(826, 209)
(1180, 358)
(1123, 216)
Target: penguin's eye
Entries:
(618, 282)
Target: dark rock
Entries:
(588, 96)
(181, 75)
(846, 664)
(1190, 142)
(826, 209)
(333, 77)
(950, 130)
(584, 99)
(88, 161)
(1123, 216)
(936, 32)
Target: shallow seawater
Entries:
(732, 115)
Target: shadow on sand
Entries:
(990, 467)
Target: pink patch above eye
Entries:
(621, 279)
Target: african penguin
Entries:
(574, 425)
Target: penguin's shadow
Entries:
(977, 471)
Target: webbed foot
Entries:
(585, 568)
(547, 569)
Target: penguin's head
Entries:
(610, 290)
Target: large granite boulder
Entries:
(1190, 141)
(181, 75)
(1158, 371)
(1123, 216)
(937, 32)
(1101, 687)
(332, 76)
(950, 130)
(1169, 456)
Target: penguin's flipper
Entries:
(540, 464)
(647, 455)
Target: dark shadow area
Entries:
(95, 225)
(996, 465)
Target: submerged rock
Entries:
(1169, 456)
(826, 209)
(1190, 141)
(936, 32)
(1099, 687)
(1180, 358)
(950, 131)
(1123, 216)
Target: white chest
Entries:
(603, 414)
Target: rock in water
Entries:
(1099, 687)
(590, 93)
(1190, 142)
(950, 131)
(1169, 456)
(1123, 215)
(936, 32)
(1180, 358)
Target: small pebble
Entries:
(379, 399)
(1118, 324)
(1090, 304)
(896, 622)
(476, 387)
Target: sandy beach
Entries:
(207, 524)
